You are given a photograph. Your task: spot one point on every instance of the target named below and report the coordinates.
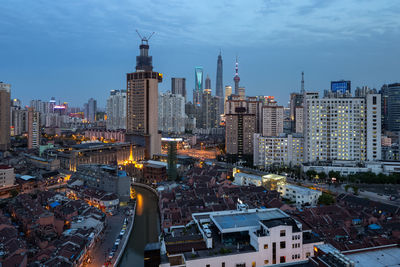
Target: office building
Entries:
(287, 150)
(272, 120)
(19, 121)
(228, 93)
(391, 107)
(240, 127)
(218, 86)
(7, 176)
(105, 177)
(142, 103)
(198, 77)
(90, 110)
(247, 237)
(178, 86)
(171, 113)
(5, 101)
(116, 110)
(342, 128)
(33, 128)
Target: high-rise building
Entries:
(198, 76)
(90, 110)
(236, 79)
(228, 93)
(142, 103)
(33, 128)
(5, 101)
(272, 122)
(242, 92)
(178, 86)
(240, 127)
(218, 86)
(391, 107)
(116, 110)
(280, 150)
(209, 116)
(207, 83)
(171, 113)
(344, 128)
(252, 105)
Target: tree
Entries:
(311, 174)
(326, 199)
(322, 175)
(346, 187)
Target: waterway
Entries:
(145, 230)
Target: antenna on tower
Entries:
(302, 82)
(145, 40)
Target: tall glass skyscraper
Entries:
(218, 87)
(391, 107)
(198, 75)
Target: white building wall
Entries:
(171, 113)
(116, 110)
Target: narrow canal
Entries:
(145, 230)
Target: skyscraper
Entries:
(207, 83)
(236, 79)
(33, 128)
(5, 102)
(391, 107)
(198, 76)
(171, 113)
(219, 92)
(178, 86)
(142, 103)
(116, 110)
(90, 109)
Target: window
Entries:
(308, 254)
(253, 264)
(265, 246)
(223, 264)
(241, 265)
(207, 265)
(283, 244)
(266, 261)
(283, 233)
(282, 259)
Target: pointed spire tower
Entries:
(236, 79)
(302, 82)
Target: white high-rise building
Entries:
(171, 113)
(116, 110)
(345, 128)
(280, 150)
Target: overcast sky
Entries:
(77, 49)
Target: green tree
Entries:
(322, 175)
(311, 174)
(326, 199)
(14, 193)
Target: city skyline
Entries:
(79, 58)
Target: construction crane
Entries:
(145, 40)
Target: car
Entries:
(124, 227)
(116, 243)
(111, 255)
(122, 232)
(114, 248)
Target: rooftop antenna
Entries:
(145, 40)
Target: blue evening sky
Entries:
(77, 49)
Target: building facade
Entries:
(239, 131)
(303, 196)
(219, 91)
(178, 86)
(391, 107)
(33, 128)
(5, 101)
(272, 120)
(171, 113)
(7, 176)
(287, 150)
(142, 103)
(116, 110)
(198, 78)
(343, 128)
